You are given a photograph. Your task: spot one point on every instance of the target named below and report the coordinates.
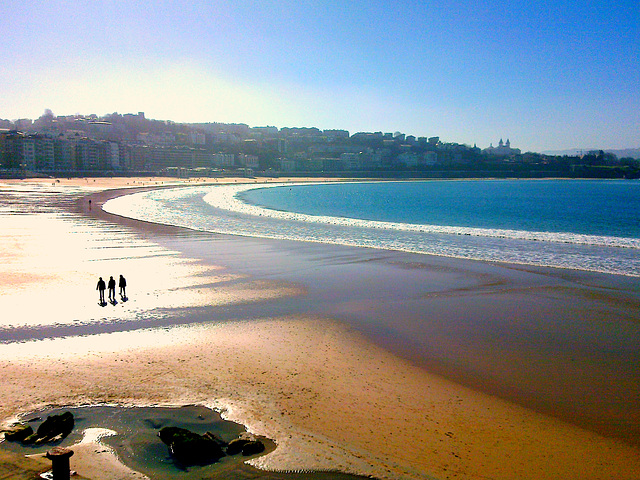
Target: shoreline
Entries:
(557, 250)
(557, 292)
(293, 391)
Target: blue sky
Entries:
(546, 74)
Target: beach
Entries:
(289, 340)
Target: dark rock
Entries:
(190, 448)
(53, 429)
(30, 439)
(235, 446)
(252, 447)
(212, 436)
(18, 433)
(55, 426)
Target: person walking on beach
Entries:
(100, 287)
(122, 283)
(112, 289)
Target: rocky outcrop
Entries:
(252, 447)
(18, 433)
(215, 438)
(235, 446)
(189, 448)
(53, 429)
(246, 444)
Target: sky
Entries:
(547, 74)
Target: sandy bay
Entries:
(296, 342)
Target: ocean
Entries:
(591, 225)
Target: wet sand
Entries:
(291, 341)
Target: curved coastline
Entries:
(590, 280)
(231, 215)
(236, 202)
(442, 398)
(571, 275)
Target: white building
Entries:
(223, 159)
(248, 161)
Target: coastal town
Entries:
(129, 144)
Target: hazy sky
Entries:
(547, 74)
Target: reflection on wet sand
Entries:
(274, 357)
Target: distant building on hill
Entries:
(502, 150)
(335, 134)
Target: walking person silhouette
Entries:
(100, 287)
(122, 283)
(112, 289)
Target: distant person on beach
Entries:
(112, 289)
(100, 287)
(122, 283)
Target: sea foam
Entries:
(219, 209)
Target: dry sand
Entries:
(329, 397)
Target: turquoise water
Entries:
(609, 208)
(575, 224)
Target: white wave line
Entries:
(226, 198)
